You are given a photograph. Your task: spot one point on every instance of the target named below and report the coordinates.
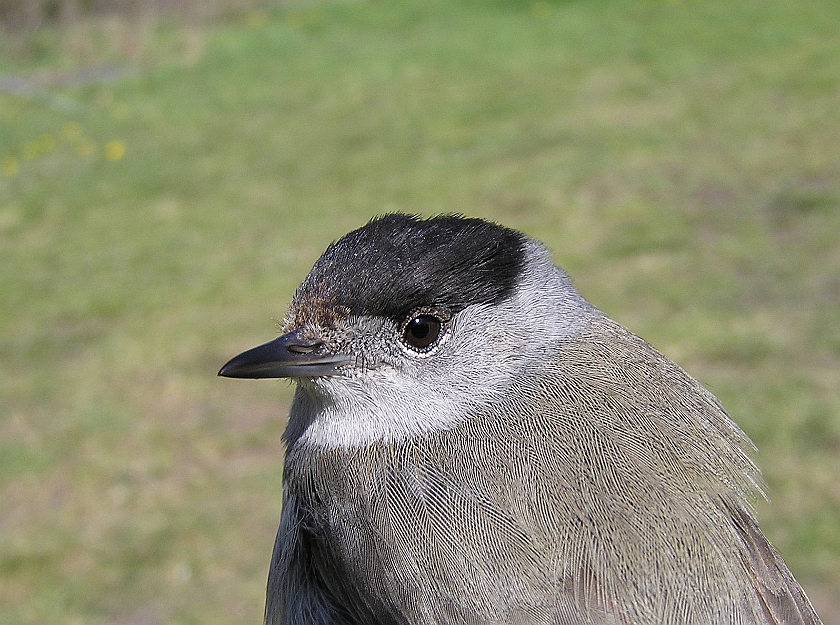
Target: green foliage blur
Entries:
(165, 184)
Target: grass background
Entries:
(163, 190)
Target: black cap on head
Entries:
(396, 263)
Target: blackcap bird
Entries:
(473, 442)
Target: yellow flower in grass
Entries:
(114, 150)
(10, 166)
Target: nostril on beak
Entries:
(304, 347)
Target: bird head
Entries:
(407, 325)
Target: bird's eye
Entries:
(422, 331)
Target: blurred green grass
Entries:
(681, 158)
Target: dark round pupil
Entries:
(422, 331)
(419, 328)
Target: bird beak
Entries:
(289, 356)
